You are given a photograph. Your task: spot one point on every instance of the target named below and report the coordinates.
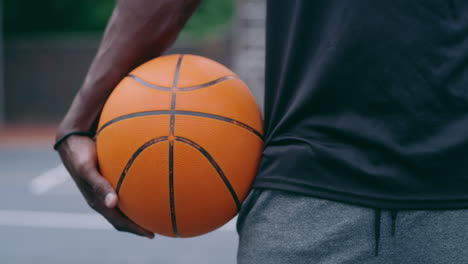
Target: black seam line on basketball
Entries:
(183, 112)
(174, 93)
(171, 189)
(177, 71)
(149, 85)
(215, 166)
(171, 147)
(201, 86)
(134, 156)
(182, 89)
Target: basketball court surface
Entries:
(44, 219)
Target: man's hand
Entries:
(138, 31)
(79, 156)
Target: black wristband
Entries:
(74, 133)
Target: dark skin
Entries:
(138, 31)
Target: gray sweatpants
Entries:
(281, 227)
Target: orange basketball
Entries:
(180, 139)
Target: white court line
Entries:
(52, 220)
(44, 183)
(49, 180)
(62, 220)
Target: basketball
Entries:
(180, 140)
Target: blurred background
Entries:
(45, 49)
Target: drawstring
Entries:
(377, 218)
(377, 223)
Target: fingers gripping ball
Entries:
(180, 140)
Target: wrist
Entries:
(66, 128)
(64, 137)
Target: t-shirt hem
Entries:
(361, 200)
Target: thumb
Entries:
(102, 188)
(110, 200)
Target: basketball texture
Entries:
(180, 139)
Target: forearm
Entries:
(137, 31)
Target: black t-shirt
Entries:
(367, 101)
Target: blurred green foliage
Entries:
(38, 16)
(69, 16)
(211, 17)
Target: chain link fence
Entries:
(249, 51)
